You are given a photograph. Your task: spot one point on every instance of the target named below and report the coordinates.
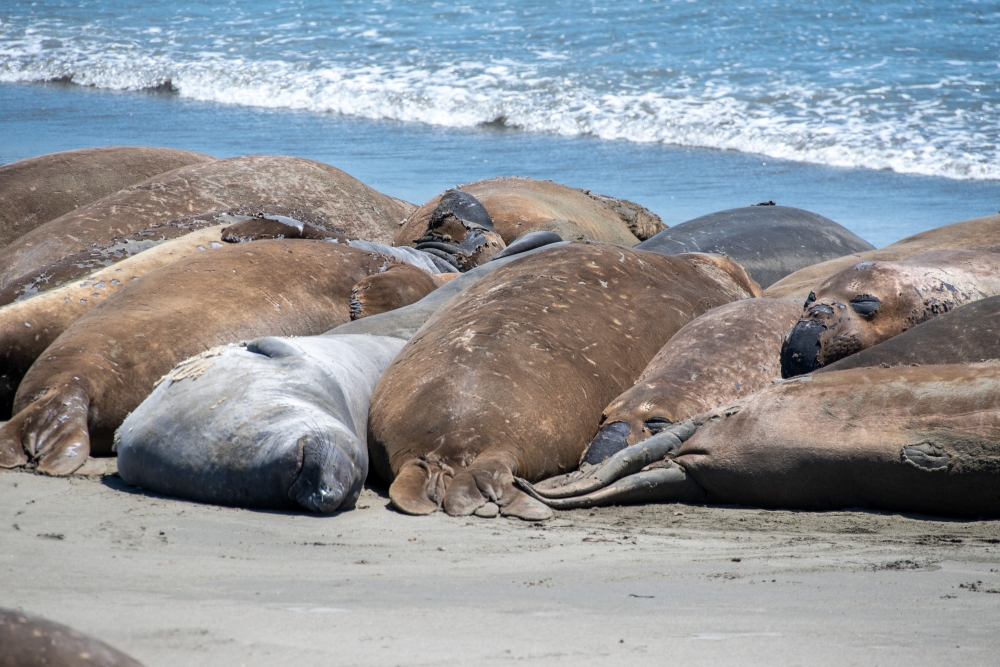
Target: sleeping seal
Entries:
(97, 371)
(770, 242)
(42, 188)
(904, 439)
(873, 301)
(508, 377)
(278, 424)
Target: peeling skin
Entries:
(873, 301)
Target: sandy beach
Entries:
(179, 583)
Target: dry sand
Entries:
(178, 583)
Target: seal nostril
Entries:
(821, 309)
(800, 350)
(865, 304)
(608, 441)
(810, 300)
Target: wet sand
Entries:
(177, 583)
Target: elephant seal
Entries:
(30, 641)
(97, 371)
(509, 377)
(400, 285)
(715, 360)
(42, 188)
(529, 241)
(905, 439)
(517, 206)
(279, 424)
(967, 334)
(873, 301)
(256, 180)
(770, 242)
(460, 232)
(976, 234)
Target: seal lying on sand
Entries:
(912, 439)
(873, 301)
(517, 206)
(39, 189)
(95, 373)
(510, 376)
(715, 360)
(355, 209)
(30, 641)
(279, 424)
(978, 233)
(770, 242)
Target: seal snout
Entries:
(460, 231)
(801, 351)
(610, 440)
(328, 480)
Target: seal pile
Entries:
(264, 331)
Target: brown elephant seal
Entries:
(715, 360)
(400, 285)
(280, 423)
(510, 376)
(873, 301)
(517, 206)
(98, 370)
(256, 180)
(905, 439)
(770, 242)
(460, 232)
(30, 641)
(967, 334)
(966, 235)
(42, 188)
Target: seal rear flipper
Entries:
(420, 486)
(491, 481)
(52, 431)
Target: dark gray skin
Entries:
(528, 242)
(770, 242)
(460, 232)
(968, 334)
(280, 424)
(30, 641)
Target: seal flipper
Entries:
(51, 431)
(491, 480)
(420, 486)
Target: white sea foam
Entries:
(895, 127)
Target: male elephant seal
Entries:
(975, 234)
(30, 641)
(906, 439)
(256, 180)
(509, 377)
(517, 206)
(278, 424)
(873, 301)
(460, 232)
(968, 334)
(39, 189)
(99, 369)
(715, 360)
(770, 242)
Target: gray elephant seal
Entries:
(39, 189)
(770, 242)
(279, 424)
(30, 641)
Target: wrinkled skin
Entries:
(97, 371)
(874, 301)
(42, 188)
(460, 232)
(519, 206)
(715, 360)
(975, 234)
(906, 439)
(510, 376)
(30, 641)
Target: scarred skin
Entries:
(28, 641)
(510, 376)
(401, 285)
(974, 234)
(82, 387)
(255, 180)
(868, 303)
(715, 360)
(518, 206)
(909, 439)
(42, 188)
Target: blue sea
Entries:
(884, 116)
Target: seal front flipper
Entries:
(51, 431)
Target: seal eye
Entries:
(811, 298)
(865, 304)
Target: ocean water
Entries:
(884, 116)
